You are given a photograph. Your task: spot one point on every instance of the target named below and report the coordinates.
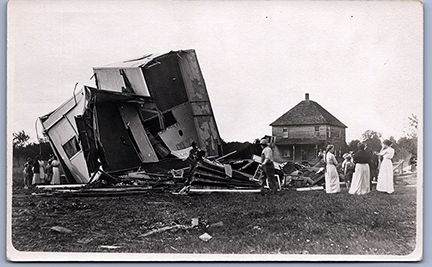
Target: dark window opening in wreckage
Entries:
(71, 147)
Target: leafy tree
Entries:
(19, 142)
(372, 139)
(23, 149)
(353, 145)
(20, 139)
(408, 144)
(413, 126)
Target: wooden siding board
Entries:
(166, 84)
(59, 134)
(208, 135)
(136, 78)
(109, 79)
(207, 131)
(132, 121)
(194, 81)
(183, 133)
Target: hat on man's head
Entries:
(264, 142)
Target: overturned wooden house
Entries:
(142, 110)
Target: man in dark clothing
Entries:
(373, 164)
(360, 184)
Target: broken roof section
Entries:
(142, 111)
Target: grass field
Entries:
(290, 222)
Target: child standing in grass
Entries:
(348, 169)
(28, 173)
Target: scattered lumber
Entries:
(166, 228)
(222, 190)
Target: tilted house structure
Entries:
(143, 110)
(304, 130)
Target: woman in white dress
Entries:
(42, 171)
(385, 175)
(360, 183)
(331, 174)
(56, 171)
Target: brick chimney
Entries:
(307, 96)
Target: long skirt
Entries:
(56, 176)
(42, 174)
(331, 179)
(360, 184)
(36, 179)
(385, 177)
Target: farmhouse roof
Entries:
(307, 112)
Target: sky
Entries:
(360, 60)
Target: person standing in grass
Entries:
(28, 173)
(36, 171)
(267, 165)
(331, 174)
(42, 172)
(385, 175)
(360, 184)
(55, 171)
(348, 169)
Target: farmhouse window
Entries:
(286, 153)
(329, 132)
(317, 128)
(71, 147)
(285, 132)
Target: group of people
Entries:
(38, 171)
(358, 172)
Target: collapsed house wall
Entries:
(142, 111)
(61, 128)
(171, 80)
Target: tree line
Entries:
(23, 149)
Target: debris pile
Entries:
(211, 174)
(143, 110)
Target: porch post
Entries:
(293, 152)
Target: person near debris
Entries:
(360, 184)
(267, 165)
(348, 169)
(194, 152)
(36, 171)
(49, 170)
(42, 171)
(55, 171)
(331, 175)
(385, 175)
(28, 173)
(195, 155)
(373, 164)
